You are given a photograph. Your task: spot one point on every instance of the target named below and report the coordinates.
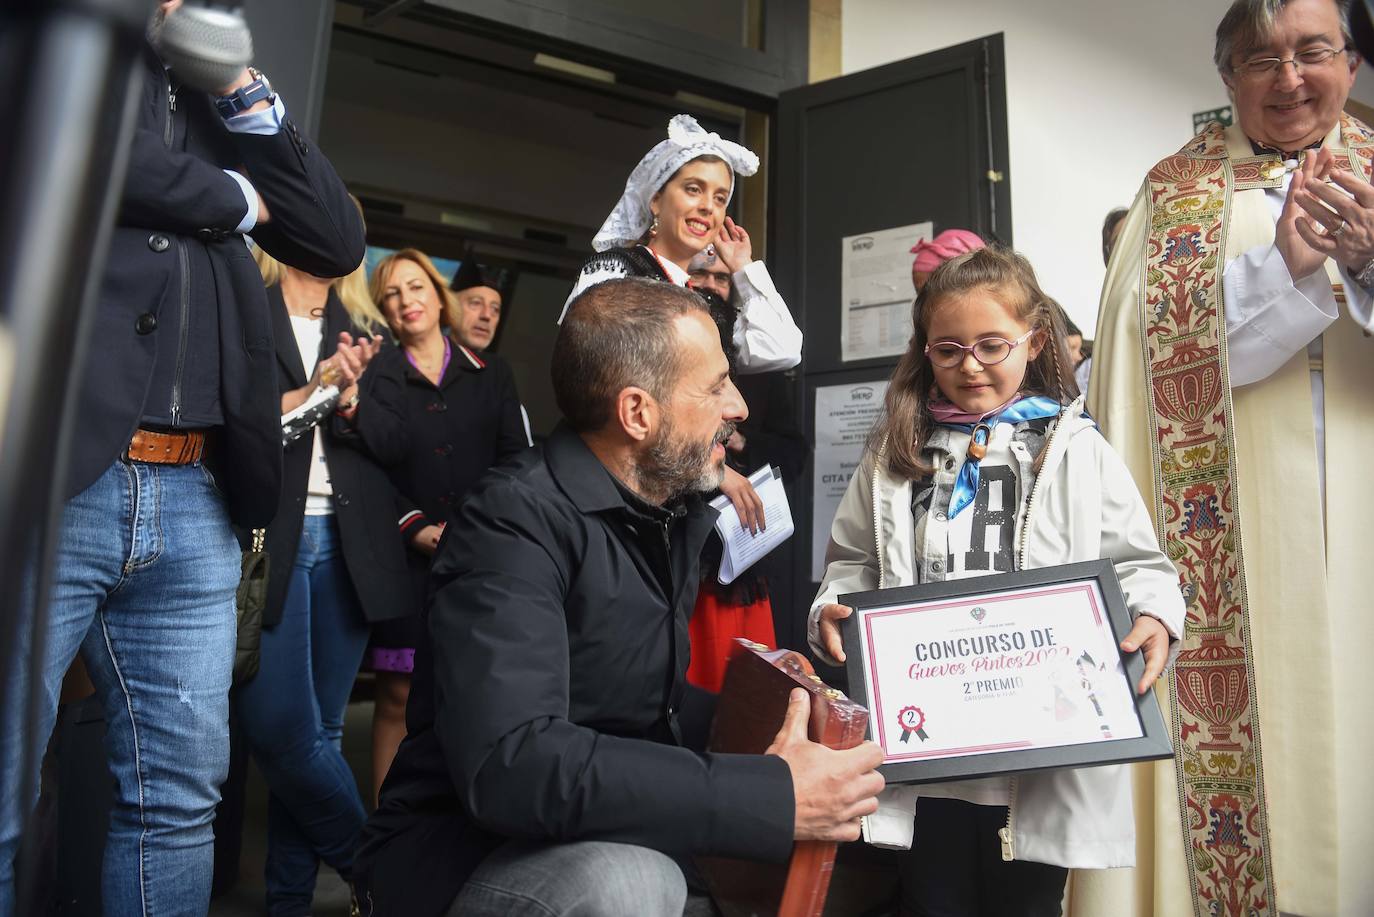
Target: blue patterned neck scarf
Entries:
(966, 485)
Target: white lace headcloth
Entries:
(686, 141)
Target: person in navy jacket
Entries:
(176, 435)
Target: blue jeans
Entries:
(143, 587)
(292, 714)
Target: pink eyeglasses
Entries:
(988, 351)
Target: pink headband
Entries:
(947, 245)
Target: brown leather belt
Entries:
(166, 448)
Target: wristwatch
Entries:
(348, 406)
(245, 97)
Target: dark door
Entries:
(291, 45)
(923, 139)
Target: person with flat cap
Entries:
(481, 291)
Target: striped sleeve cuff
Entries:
(412, 521)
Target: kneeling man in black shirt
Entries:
(549, 766)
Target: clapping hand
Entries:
(1338, 217)
(361, 349)
(1299, 256)
(348, 363)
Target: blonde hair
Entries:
(906, 423)
(351, 290)
(448, 303)
(357, 300)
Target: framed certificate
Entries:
(1001, 674)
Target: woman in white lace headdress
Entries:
(673, 208)
(672, 212)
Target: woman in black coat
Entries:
(335, 566)
(458, 415)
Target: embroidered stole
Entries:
(1212, 697)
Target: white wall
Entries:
(1097, 92)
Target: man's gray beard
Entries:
(673, 468)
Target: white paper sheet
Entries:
(844, 415)
(876, 291)
(743, 548)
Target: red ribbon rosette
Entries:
(912, 719)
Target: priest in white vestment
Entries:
(1295, 271)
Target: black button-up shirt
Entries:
(553, 706)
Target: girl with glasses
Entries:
(982, 413)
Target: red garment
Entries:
(716, 621)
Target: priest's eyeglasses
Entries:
(1261, 67)
(987, 351)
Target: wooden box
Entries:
(753, 703)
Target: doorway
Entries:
(454, 137)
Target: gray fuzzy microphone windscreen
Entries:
(206, 47)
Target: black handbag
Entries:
(250, 602)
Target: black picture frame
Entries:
(1154, 743)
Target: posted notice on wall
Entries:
(875, 288)
(844, 415)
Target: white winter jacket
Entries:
(1083, 505)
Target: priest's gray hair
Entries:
(1248, 24)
